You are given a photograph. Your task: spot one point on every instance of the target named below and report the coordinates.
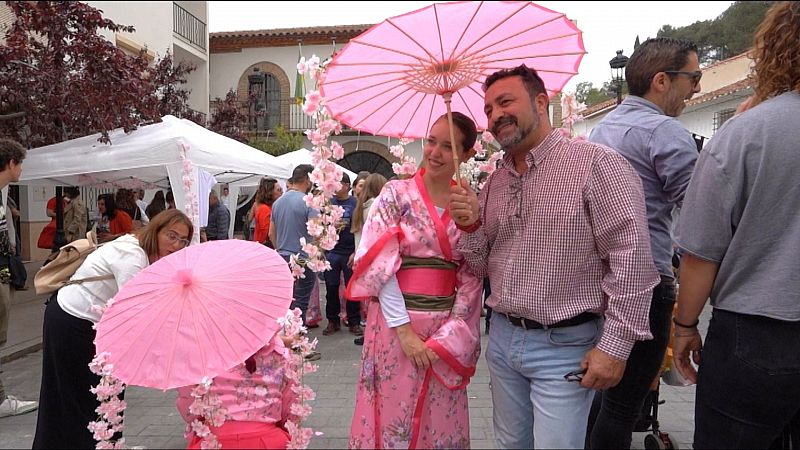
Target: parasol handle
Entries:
(447, 97)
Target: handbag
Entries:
(19, 275)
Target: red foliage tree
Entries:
(173, 97)
(227, 117)
(66, 80)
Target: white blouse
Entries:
(123, 257)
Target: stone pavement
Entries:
(152, 420)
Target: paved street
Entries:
(152, 420)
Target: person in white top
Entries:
(66, 404)
(142, 205)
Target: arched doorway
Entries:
(369, 161)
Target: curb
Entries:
(24, 351)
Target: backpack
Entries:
(61, 265)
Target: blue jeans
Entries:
(613, 418)
(332, 277)
(748, 385)
(301, 293)
(534, 406)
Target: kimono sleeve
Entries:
(378, 255)
(458, 341)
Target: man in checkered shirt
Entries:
(561, 231)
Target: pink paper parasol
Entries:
(388, 80)
(195, 313)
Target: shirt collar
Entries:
(640, 102)
(538, 154)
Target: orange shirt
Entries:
(121, 223)
(262, 215)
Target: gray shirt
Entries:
(742, 210)
(219, 219)
(663, 153)
(289, 216)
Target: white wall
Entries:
(152, 20)
(227, 68)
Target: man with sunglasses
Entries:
(662, 74)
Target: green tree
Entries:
(726, 36)
(281, 142)
(586, 93)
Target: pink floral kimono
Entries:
(398, 406)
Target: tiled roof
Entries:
(725, 90)
(226, 41)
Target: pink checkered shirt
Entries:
(567, 236)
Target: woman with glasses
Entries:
(66, 405)
(422, 343)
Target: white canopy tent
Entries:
(303, 156)
(150, 157)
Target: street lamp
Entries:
(618, 64)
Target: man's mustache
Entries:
(502, 121)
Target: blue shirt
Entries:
(289, 216)
(663, 153)
(347, 242)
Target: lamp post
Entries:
(618, 64)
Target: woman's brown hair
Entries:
(372, 187)
(776, 52)
(148, 235)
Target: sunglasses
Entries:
(695, 76)
(576, 375)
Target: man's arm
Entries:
(273, 234)
(224, 223)
(674, 154)
(473, 243)
(618, 219)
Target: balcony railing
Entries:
(189, 26)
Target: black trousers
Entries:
(614, 412)
(748, 385)
(65, 404)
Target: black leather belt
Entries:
(529, 324)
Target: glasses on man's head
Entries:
(173, 237)
(694, 76)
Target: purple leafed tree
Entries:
(228, 119)
(61, 79)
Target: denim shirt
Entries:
(663, 152)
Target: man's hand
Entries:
(603, 371)
(420, 355)
(684, 342)
(463, 206)
(350, 260)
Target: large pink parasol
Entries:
(195, 313)
(399, 76)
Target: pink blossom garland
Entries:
(570, 111)
(109, 413)
(208, 411)
(327, 177)
(192, 206)
(407, 165)
(299, 411)
(489, 155)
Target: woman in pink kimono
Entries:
(421, 345)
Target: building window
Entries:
(721, 117)
(265, 101)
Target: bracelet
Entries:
(471, 228)
(694, 325)
(677, 335)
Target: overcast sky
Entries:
(607, 26)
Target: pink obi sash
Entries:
(428, 284)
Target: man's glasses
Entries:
(576, 375)
(173, 237)
(695, 76)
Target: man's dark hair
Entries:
(653, 56)
(532, 81)
(300, 173)
(10, 150)
(72, 192)
(345, 178)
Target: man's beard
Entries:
(510, 142)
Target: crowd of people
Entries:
(577, 239)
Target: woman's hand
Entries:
(420, 355)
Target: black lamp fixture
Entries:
(618, 64)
